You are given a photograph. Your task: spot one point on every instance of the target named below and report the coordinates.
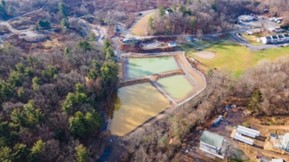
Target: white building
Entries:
(172, 44)
(285, 142)
(239, 137)
(213, 144)
(247, 131)
(281, 38)
(277, 160)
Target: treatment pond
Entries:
(142, 67)
(177, 86)
(135, 105)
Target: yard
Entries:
(235, 59)
(252, 39)
(141, 27)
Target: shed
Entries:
(217, 121)
(172, 44)
(273, 136)
(248, 132)
(169, 11)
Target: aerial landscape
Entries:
(144, 80)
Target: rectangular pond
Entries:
(141, 67)
(177, 86)
(135, 105)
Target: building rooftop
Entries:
(247, 131)
(277, 160)
(212, 139)
(172, 44)
(285, 141)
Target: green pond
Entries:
(177, 86)
(141, 67)
(135, 105)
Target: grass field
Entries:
(235, 59)
(141, 27)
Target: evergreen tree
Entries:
(81, 153)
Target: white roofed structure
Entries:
(285, 142)
(248, 132)
(241, 138)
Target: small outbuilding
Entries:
(214, 144)
(169, 11)
(172, 44)
(129, 41)
(217, 121)
(190, 39)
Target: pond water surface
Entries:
(141, 67)
(135, 105)
(177, 86)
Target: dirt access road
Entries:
(28, 32)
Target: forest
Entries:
(53, 104)
(208, 16)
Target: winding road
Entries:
(28, 31)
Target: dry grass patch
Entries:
(141, 28)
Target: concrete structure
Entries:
(247, 131)
(281, 38)
(285, 142)
(213, 144)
